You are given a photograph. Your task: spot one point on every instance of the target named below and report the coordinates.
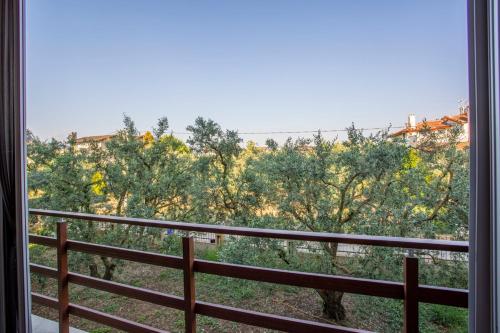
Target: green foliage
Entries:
(129, 175)
(101, 330)
(374, 185)
(110, 307)
(210, 253)
(172, 244)
(456, 320)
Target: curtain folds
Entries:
(14, 274)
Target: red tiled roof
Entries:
(435, 125)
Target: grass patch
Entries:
(101, 330)
(441, 317)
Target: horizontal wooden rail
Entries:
(44, 270)
(269, 321)
(112, 251)
(410, 291)
(126, 254)
(47, 301)
(112, 321)
(369, 287)
(425, 293)
(97, 316)
(141, 294)
(443, 296)
(378, 288)
(409, 243)
(43, 240)
(203, 308)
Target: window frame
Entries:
(484, 157)
(484, 267)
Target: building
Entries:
(85, 141)
(413, 130)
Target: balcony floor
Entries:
(42, 325)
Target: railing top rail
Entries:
(402, 242)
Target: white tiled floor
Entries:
(42, 325)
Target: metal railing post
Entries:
(410, 294)
(189, 284)
(62, 276)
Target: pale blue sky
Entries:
(255, 65)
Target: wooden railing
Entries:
(409, 290)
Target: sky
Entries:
(253, 65)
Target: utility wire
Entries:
(304, 132)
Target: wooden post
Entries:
(62, 281)
(411, 297)
(189, 286)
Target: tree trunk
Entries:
(94, 272)
(109, 268)
(332, 300)
(332, 304)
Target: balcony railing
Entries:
(409, 291)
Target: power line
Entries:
(303, 132)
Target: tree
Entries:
(133, 175)
(373, 184)
(367, 185)
(148, 176)
(145, 176)
(62, 177)
(329, 187)
(215, 166)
